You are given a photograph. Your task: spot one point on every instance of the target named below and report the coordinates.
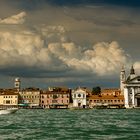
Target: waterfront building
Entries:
(79, 98)
(131, 90)
(30, 97)
(107, 101)
(55, 97)
(8, 98)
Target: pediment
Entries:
(80, 91)
(135, 80)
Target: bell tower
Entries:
(122, 79)
(17, 84)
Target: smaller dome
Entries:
(17, 79)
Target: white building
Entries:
(131, 89)
(79, 98)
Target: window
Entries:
(114, 100)
(83, 95)
(74, 95)
(7, 101)
(79, 95)
(42, 96)
(54, 101)
(118, 100)
(95, 101)
(55, 96)
(42, 101)
(16, 84)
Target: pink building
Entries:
(56, 98)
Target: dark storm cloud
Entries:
(36, 4)
(130, 3)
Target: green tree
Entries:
(96, 90)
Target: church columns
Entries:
(133, 97)
(126, 97)
(136, 104)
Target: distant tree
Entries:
(96, 90)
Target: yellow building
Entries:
(30, 96)
(8, 98)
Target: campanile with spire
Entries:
(122, 79)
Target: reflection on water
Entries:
(102, 124)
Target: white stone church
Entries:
(130, 87)
(79, 98)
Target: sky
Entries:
(68, 43)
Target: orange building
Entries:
(111, 91)
(107, 101)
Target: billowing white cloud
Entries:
(102, 59)
(40, 49)
(47, 48)
(15, 19)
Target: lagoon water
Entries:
(102, 124)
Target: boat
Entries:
(8, 111)
(79, 108)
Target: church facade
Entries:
(130, 87)
(79, 98)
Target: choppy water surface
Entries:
(100, 124)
